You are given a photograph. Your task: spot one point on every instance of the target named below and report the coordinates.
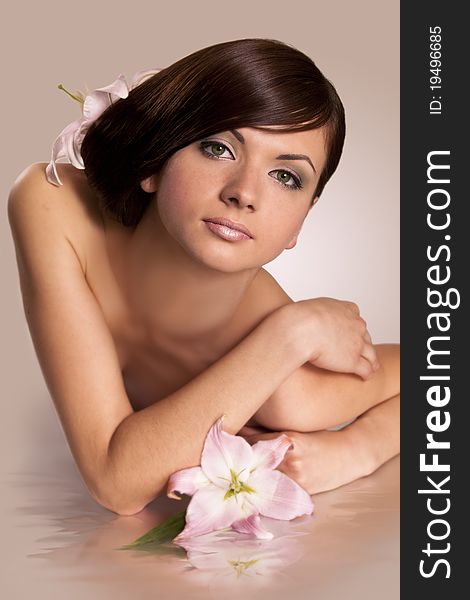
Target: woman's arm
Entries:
(149, 445)
(329, 459)
(324, 460)
(376, 433)
(313, 399)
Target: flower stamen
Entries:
(242, 565)
(78, 98)
(237, 487)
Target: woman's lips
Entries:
(228, 230)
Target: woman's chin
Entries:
(224, 264)
(221, 260)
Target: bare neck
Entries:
(170, 293)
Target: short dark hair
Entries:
(240, 83)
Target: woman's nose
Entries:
(241, 190)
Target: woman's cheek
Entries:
(282, 235)
(174, 203)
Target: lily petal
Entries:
(63, 147)
(209, 511)
(117, 88)
(268, 454)
(51, 174)
(222, 452)
(99, 100)
(252, 525)
(278, 496)
(186, 481)
(74, 145)
(142, 76)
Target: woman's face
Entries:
(262, 179)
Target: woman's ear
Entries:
(149, 184)
(293, 241)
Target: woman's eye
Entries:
(214, 149)
(288, 180)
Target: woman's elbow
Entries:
(120, 501)
(116, 505)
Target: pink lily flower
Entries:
(68, 143)
(236, 483)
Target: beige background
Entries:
(349, 247)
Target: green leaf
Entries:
(166, 549)
(161, 534)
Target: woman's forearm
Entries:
(150, 445)
(324, 460)
(375, 436)
(313, 399)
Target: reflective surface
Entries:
(57, 540)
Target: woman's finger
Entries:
(370, 355)
(363, 368)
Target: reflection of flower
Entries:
(236, 483)
(69, 142)
(222, 556)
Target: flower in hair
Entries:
(68, 143)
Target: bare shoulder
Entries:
(271, 293)
(266, 295)
(68, 210)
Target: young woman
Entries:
(144, 291)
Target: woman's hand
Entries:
(319, 460)
(331, 335)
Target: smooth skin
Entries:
(315, 355)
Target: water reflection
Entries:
(222, 558)
(229, 558)
(70, 545)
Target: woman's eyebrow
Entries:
(296, 157)
(241, 139)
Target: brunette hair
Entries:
(241, 83)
